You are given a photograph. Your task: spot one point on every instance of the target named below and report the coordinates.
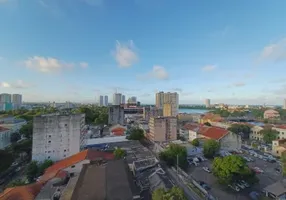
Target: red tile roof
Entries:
(213, 132)
(29, 192)
(118, 131)
(192, 127)
(213, 117)
(3, 129)
(281, 126)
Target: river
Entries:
(192, 111)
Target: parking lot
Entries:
(268, 177)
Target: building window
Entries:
(65, 150)
(64, 155)
(50, 136)
(49, 157)
(49, 151)
(49, 142)
(66, 125)
(73, 166)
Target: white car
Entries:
(240, 185)
(244, 183)
(207, 169)
(234, 187)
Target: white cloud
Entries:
(19, 84)
(274, 52)
(125, 54)
(209, 68)
(5, 85)
(46, 65)
(83, 65)
(159, 73)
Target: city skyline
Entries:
(76, 50)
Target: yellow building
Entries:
(167, 110)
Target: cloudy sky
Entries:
(228, 51)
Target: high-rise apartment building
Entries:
(117, 97)
(116, 115)
(160, 99)
(57, 136)
(208, 103)
(105, 100)
(101, 101)
(123, 99)
(167, 110)
(132, 100)
(162, 129)
(149, 112)
(17, 101)
(168, 98)
(6, 102)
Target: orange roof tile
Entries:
(4, 129)
(192, 127)
(213, 132)
(27, 192)
(281, 126)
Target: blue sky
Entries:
(229, 51)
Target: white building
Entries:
(282, 131)
(5, 135)
(17, 101)
(101, 101)
(117, 97)
(255, 133)
(57, 136)
(105, 100)
(116, 115)
(123, 99)
(132, 100)
(208, 103)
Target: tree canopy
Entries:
(210, 148)
(94, 114)
(269, 135)
(240, 129)
(15, 137)
(119, 153)
(195, 142)
(174, 193)
(170, 154)
(232, 168)
(6, 160)
(15, 183)
(283, 160)
(136, 134)
(27, 130)
(44, 165)
(32, 171)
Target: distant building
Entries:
(151, 112)
(278, 147)
(167, 110)
(173, 100)
(116, 115)
(6, 102)
(101, 101)
(159, 99)
(282, 131)
(17, 101)
(208, 103)
(105, 100)
(271, 114)
(255, 133)
(117, 98)
(132, 100)
(123, 99)
(56, 136)
(162, 129)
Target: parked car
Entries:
(195, 163)
(204, 185)
(257, 170)
(244, 183)
(207, 169)
(240, 185)
(234, 187)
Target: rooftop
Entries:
(212, 132)
(107, 182)
(2, 129)
(277, 188)
(281, 126)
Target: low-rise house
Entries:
(282, 131)
(271, 114)
(276, 190)
(227, 139)
(278, 147)
(255, 133)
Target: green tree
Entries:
(232, 168)
(269, 135)
(174, 193)
(15, 137)
(23, 146)
(240, 129)
(27, 130)
(44, 165)
(207, 124)
(6, 160)
(173, 152)
(32, 171)
(94, 114)
(15, 183)
(119, 153)
(283, 160)
(210, 148)
(136, 134)
(195, 142)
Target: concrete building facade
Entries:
(57, 136)
(5, 135)
(105, 100)
(116, 115)
(101, 101)
(167, 110)
(17, 101)
(162, 129)
(132, 100)
(149, 112)
(208, 103)
(117, 97)
(123, 99)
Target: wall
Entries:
(255, 133)
(5, 138)
(192, 135)
(282, 133)
(231, 141)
